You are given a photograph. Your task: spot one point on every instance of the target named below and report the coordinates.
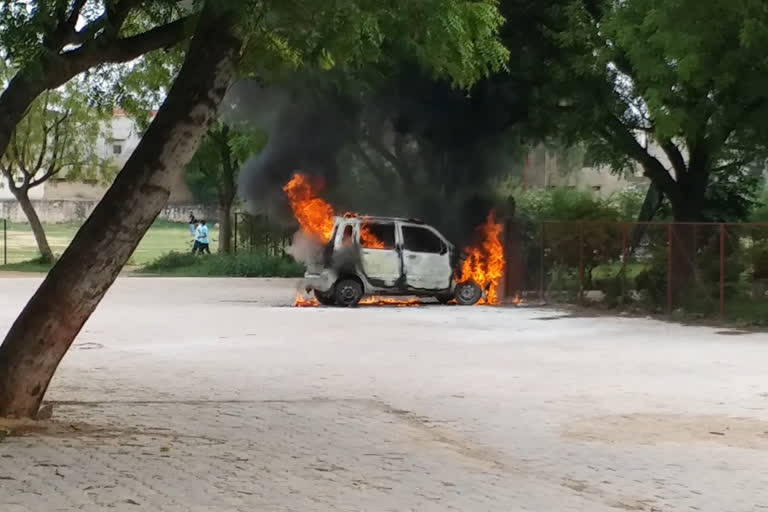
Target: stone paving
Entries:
(213, 395)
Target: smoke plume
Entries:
(305, 134)
(454, 146)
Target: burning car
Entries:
(387, 256)
(350, 256)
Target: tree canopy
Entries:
(675, 87)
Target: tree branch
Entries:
(18, 156)
(8, 172)
(675, 157)
(88, 32)
(102, 50)
(74, 14)
(58, 145)
(652, 166)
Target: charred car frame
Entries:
(387, 256)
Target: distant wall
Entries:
(55, 212)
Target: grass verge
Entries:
(161, 238)
(32, 266)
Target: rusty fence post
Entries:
(669, 268)
(722, 271)
(234, 235)
(581, 262)
(541, 262)
(624, 258)
(502, 291)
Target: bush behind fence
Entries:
(704, 270)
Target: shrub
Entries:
(759, 260)
(171, 261)
(602, 240)
(242, 264)
(760, 213)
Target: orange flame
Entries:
(368, 239)
(385, 301)
(485, 261)
(314, 215)
(484, 264)
(302, 302)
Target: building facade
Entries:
(60, 200)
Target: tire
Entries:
(326, 299)
(468, 294)
(348, 293)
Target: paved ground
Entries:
(211, 395)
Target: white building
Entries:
(59, 200)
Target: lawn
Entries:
(162, 237)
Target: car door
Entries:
(379, 254)
(425, 258)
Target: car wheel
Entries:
(326, 299)
(348, 293)
(468, 294)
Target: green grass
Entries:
(244, 264)
(611, 270)
(746, 311)
(32, 266)
(162, 237)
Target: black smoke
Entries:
(306, 132)
(463, 142)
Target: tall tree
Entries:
(46, 43)
(213, 172)
(455, 37)
(677, 88)
(56, 139)
(48, 324)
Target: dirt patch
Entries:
(681, 429)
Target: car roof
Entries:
(376, 218)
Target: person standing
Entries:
(201, 239)
(193, 222)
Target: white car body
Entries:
(416, 260)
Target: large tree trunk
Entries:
(225, 228)
(226, 193)
(22, 196)
(687, 211)
(51, 320)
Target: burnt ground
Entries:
(213, 395)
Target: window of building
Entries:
(418, 239)
(117, 149)
(377, 236)
(597, 188)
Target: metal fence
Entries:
(260, 234)
(5, 241)
(695, 269)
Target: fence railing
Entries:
(260, 234)
(5, 241)
(709, 270)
